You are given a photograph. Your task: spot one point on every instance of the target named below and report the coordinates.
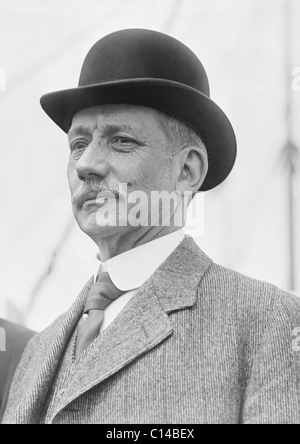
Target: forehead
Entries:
(136, 118)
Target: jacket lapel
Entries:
(29, 394)
(142, 325)
(144, 322)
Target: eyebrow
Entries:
(79, 131)
(107, 130)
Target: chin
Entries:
(89, 225)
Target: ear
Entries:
(191, 169)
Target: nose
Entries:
(92, 164)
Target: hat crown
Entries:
(141, 54)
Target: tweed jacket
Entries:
(197, 344)
(16, 338)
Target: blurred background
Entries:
(251, 223)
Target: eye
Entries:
(77, 145)
(123, 143)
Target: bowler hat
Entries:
(148, 68)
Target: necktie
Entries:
(101, 294)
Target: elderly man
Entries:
(160, 333)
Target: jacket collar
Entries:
(143, 324)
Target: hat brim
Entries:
(176, 99)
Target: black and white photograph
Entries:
(150, 214)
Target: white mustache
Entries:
(91, 190)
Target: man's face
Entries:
(112, 145)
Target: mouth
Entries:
(97, 199)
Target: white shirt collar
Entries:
(129, 270)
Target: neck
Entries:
(123, 241)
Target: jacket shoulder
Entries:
(247, 305)
(247, 315)
(247, 292)
(14, 339)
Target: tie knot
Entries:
(102, 293)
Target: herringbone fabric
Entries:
(197, 344)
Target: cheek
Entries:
(69, 172)
(154, 175)
(133, 171)
(72, 176)
(144, 172)
(160, 169)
